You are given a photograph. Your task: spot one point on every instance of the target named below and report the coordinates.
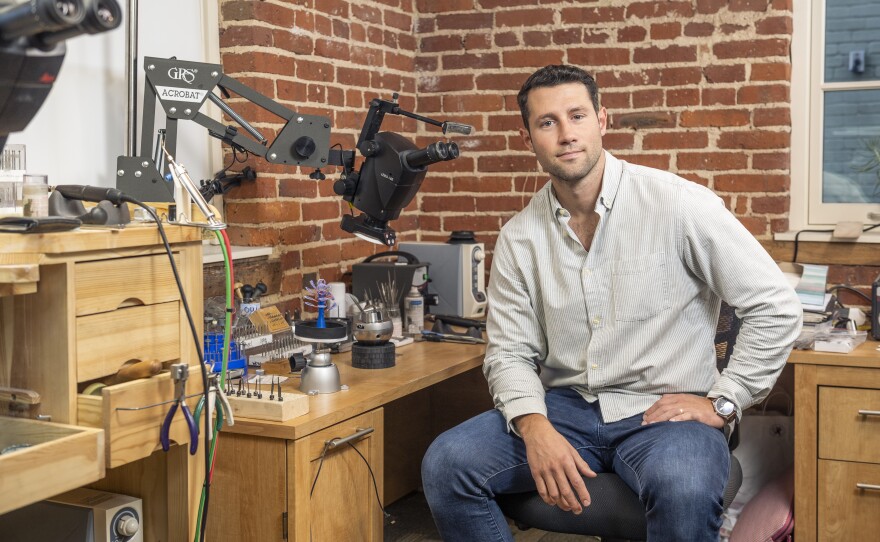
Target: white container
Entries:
(415, 311)
(35, 195)
(12, 168)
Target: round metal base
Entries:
(320, 379)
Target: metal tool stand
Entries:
(372, 330)
(320, 375)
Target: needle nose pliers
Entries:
(179, 373)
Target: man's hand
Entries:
(555, 465)
(680, 407)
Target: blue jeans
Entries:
(678, 469)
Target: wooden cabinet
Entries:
(265, 471)
(272, 489)
(76, 306)
(103, 298)
(837, 445)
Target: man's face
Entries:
(565, 131)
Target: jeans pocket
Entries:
(640, 287)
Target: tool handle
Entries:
(193, 429)
(166, 428)
(197, 413)
(135, 371)
(460, 321)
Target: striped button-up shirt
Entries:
(634, 317)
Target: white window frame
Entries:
(807, 112)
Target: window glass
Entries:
(851, 147)
(852, 50)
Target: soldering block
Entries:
(292, 404)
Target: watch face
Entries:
(724, 407)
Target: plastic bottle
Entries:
(415, 311)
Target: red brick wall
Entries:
(320, 57)
(699, 87)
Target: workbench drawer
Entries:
(105, 341)
(59, 458)
(848, 512)
(134, 434)
(844, 433)
(106, 285)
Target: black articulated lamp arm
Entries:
(181, 88)
(391, 173)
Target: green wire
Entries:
(226, 338)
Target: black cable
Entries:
(197, 341)
(798, 234)
(850, 289)
(385, 514)
(320, 464)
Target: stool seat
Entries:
(615, 513)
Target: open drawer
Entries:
(134, 434)
(59, 458)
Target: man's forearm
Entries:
(528, 424)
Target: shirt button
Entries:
(596, 320)
(595, 366)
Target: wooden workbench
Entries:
(265, 470)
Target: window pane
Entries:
(852, 28)
(850, 147)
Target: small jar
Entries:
(35, 195)
(393, 314)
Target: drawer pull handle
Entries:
(334, 443)
(875, 487)
(869, 412)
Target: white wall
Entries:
(78, 133)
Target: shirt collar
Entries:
(610, 184)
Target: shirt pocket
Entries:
(640, 287)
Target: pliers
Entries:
(221, 400)
(179, 373)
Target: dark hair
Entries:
(551, 76)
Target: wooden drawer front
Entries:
(344, 483)
(105, 341)
(107, 285)
(59, 458)
(846, 512)
(134, 434)
(844, 433)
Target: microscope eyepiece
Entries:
(433, 153)
(37, 16)
(99, 16)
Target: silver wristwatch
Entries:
(725, 408)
